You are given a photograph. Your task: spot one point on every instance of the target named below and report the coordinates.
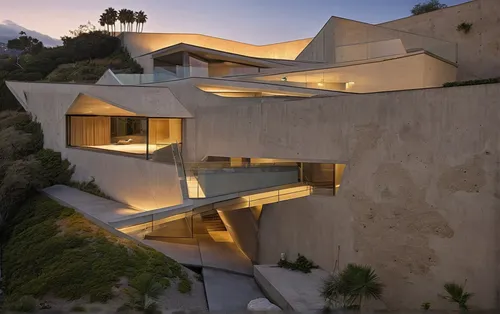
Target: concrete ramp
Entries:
(291, 290)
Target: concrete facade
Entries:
(479, 50)
(419, 195)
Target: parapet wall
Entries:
(478, 50)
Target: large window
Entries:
(130, 135)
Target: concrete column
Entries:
(242, 225)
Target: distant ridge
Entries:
(10, 30)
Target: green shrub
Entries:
(26, 304)
(456, 294)
(350, 287)
(473, 82)
(464, 27)
(428, 6)
(301, 264)
(89, 187)
(184, 285)
(144, 293)
(84, 260)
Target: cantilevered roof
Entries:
(150, 101)
(88, 105)
(207, 53)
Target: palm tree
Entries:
(102, 20)
(144, 293)
(122, 17)
(111, 17)
(457, 294)
(141, 18)
(130, 19)
(351, 286)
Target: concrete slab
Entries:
(186, 253)
(228, 292)
(103, 209)
(291, 290)
(223, 255)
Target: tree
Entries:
(426, 7)
(130, 19)
(111, 16)
(140, 18)
(122, 17)
(102, 21)
(351, 286)
(83, 29)
(26, 44)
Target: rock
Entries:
(262, 305)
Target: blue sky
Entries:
(252, 21)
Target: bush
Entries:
(144, 292)
(473, 82)
(456, 294)
(92, 45)
(184, 285)
(89, 187)
(84, 260)
(26, 304)
(426, 7)
(301, 264)
(348, 288)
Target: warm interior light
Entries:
(284, 79)
(349, 85)
(321, 83)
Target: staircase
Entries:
(212, 222)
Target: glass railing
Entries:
(156, 221)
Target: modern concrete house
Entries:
(340, 147)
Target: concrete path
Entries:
(223, 255)
(228, 292)
(87, 204)
(199, 251)
(227, 272)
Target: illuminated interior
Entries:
(130, 135)
(230, 91)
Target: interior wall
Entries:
(478, 51)
(90, 131)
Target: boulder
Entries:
(262, 305)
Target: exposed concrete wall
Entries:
(243, 227)
(141, 43)
(339, 32)
(479, 50)
(139, 183)
(418, 199)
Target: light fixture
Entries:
(284, 79)
(349, 85)
(321, 83)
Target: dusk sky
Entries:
(252, 21)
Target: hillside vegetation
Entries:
(81, 59)
(54, 251)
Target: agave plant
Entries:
(457, 294)
(144, 293)
(350, 287)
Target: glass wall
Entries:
(130, 135)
